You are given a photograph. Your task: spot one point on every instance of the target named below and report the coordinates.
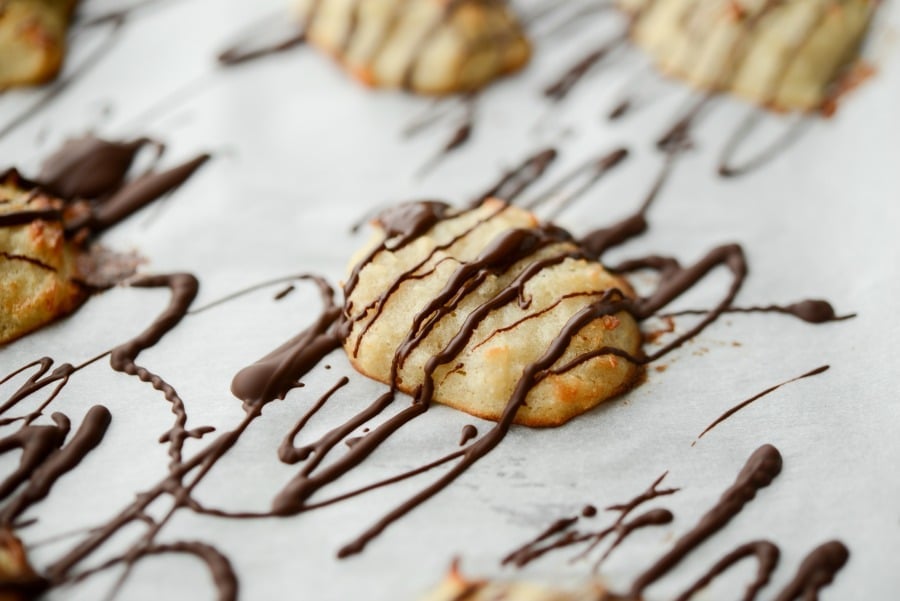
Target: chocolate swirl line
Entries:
(813, 311)
(761, 468)
(46, 460)
(25, 217)
(560, 535)
(517, 180)
(183, 288)
(766, 555)
(756, 397)
(561, 88)
(90, 167)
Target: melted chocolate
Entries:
(756, 397)
(137, 194)
(762, 467)
(560, 534)
(90, 167)
(519, 179)
(561, 88)
(468, 433)
(816, 572)
(271, 35)
(811, 311)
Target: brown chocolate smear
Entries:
(136, 194)
(813, 311)
(561, 88)
(761, 468)
(90, 167)
(560, 535)
(276, 373)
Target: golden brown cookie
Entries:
(32, 40)
(783, 55)
(38, 265)
(457, 588)
(474, 297)
(425, 46)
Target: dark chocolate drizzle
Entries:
(560, 534)
(756, 397)
(814, 311)
(816, 572)
(560, 89)
(90, 167)
(761, 468)
(268, 36)
(518, 180)
(90, 175)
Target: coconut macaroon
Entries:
(457, 588)
(468, 300)
(785, 56)
(425, 46)
(32, 40)
(38, 265)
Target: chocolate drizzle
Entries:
(89, 174)
(817, 570)
(811, 311)
(756, 397)
(766, 555)
(761, 468)
(560, 534)
(277, 32)
(90, 167)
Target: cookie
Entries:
(425, 46)
(32, 40)
(38, 265)
(457, 588)
(467, 300)
(786, 56)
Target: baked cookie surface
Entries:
(457, 588)
(465, 301)
(425, 46)
(32, 40)
(38, 265)
(784, 55)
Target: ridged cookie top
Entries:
(783, 54)
(426, 46)
(457, 305)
